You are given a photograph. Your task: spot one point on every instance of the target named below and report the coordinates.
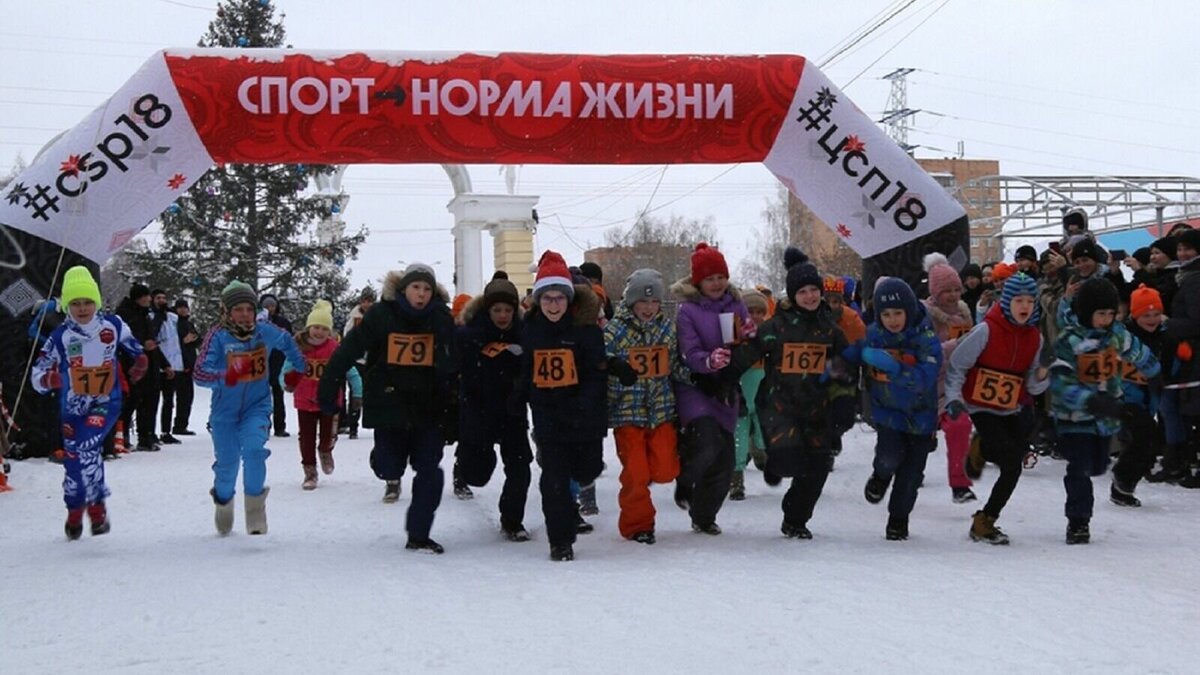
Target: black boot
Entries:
(876, 488)
(1078, 532)
(793, 531)
(562, 553)
(897, 529)
(1121, 496)
(425, 546)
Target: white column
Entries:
(468, 257)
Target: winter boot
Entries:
(514, 531)
(876, 488)
(587, 500)
(1078, 532)
(256, 513)
(897, 529)
(709, 528)
(1189, 481)
(793, 531)
(1119, 495)
(646, 537)
(310, 477)
(391, 492)
(1173, 466)
(462, 490)
(326, 459)
(962, 495)
(74, 526)
(772, 479)
(582, 526)
(737, 486)
(224, 514)
(983, 528)
(168, 439)
(758, 456)
(4, 487)
(973, 464)
(99, 517)
(562, 553)
(426, 545)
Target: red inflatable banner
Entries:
(100, 183)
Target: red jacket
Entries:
(1010, 350)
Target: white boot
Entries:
(224, 515)
(256, 513)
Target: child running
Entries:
(79, 361)
(233, 362)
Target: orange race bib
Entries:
(315, 368)
(1098, 367)
(494, 349)
(958, 330)
(997, 389)
(92, 380)
(1132, 374)
(256, 361)
(802, 358)
(406, 349)
(650, 362)
(879, 375)
(553, 368)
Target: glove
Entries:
(881, 360)
(355, 404)
(515, 350)
(622, 371)
(235, 371)
(1184, 351)
(1103, 405)
(838, 370)
(955, 409)
(138, 370)
(291, 379)
(718, 359)
(52, 380)
(749, 328)
(1046, 358)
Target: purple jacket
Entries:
(699, 334)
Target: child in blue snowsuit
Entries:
(904, 358)
(79, 361)
(233, 362)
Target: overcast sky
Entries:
(1072, 87)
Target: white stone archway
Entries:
(508, 217)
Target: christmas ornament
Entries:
(242, 41)
(173, 209)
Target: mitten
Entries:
(718, 359)
(1103, 405)
(621, 370)
(138, 370)
(291, 379)
(1184, 351)
(880, 360)
(749, 328)
(235, 371)
(52, 380)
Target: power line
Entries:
(861, 27)
(1032, 150)
(1085, 137)
(898, 42)
(829, 61)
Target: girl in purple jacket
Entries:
(708, 402)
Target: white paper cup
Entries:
(726, 319)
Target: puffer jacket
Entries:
(650, 401)
(489, 361)
(699, 331)
(908, 400)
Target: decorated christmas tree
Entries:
(276, 227)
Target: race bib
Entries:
(255, 364)
(406, 349)
(1132, 374)
(315, 368)
(553, 368)
(92, 380)
(494, 349)
(1098, 367)
(802, 358)
(650, 362)
(996, 389)
(958, 330)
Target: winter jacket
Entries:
(352, 321)
(1184, 321)
(907, 401)
(1135, 386)
(1008, 351)
(1162, 281)
(144, 326)
(563, 373)
(489, 363)
(218, 351)
(316, 358)
(650, 348)
(699, 333)
(188, 350)
(86, 359)
(949, 327)
(168, 339)
(797, 347)
(408, 379)
(1088, 361)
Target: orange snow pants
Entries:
(647, 456)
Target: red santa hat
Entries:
(552, 272)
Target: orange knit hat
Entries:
(1143, 300)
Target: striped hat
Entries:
(1020, 284)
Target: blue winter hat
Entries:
(850, 287)
(1020, 284)
(894, 293)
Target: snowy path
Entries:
(331, 589)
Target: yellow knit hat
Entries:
(321, 315)
(78, 284)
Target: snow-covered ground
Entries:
(331, 588)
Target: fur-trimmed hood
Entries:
(475, 306)
(943, 318)
(686, 291)
(391, 288)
